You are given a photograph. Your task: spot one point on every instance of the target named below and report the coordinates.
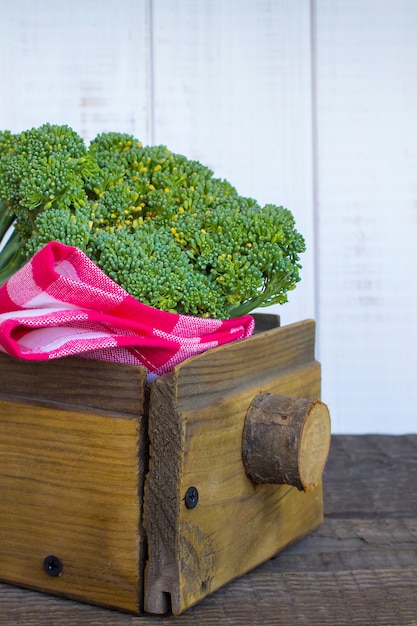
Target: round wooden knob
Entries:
(286, 440)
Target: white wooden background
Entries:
(309, 104)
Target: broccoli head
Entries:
(42, 175)
(45, 167)
(159, 224)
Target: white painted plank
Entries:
(232, 88)
(367, 184)
(84, 63)
(230, 81)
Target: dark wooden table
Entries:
(359, 567)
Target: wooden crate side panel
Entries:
(232, 536)
(84, 383)
(162, 498)
(237, 522)
(210, 376)
(70, 485)
(236, 525)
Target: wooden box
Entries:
(137, 497)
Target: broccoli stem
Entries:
(11, 257)
(274, 293)
(6, 219)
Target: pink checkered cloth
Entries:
(60, 304)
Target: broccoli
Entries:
(11, 256)
(42, 173)
(159, 224)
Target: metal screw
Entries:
(52, 565)
(191, 498)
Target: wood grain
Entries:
(286, 440)
(358, 567)
(74, 382)
(197, 415)
(71, 484)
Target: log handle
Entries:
(286, 440)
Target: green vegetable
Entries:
(159, 224)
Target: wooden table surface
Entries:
(359, 567)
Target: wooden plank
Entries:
(100, 83)
(354, 496)
(351, 570)
(366, 101)
(273, 354)
(77, 382)
(265, 321)
(386, 598)
(71, 486)
(196, 423)
(232, 88)
(352, 543)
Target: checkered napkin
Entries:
(60, 304)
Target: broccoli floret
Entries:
(249, 251)
(42, 178)
(149, 265)
(7, 216)
(45, 167)
(159, 224)
(151, 180)
(68, 225)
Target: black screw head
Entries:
(191, 498)
(52, 565)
